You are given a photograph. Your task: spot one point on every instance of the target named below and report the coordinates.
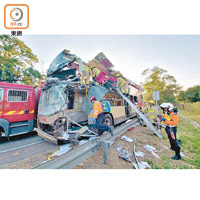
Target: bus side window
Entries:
(112, 103)
(80, 101)
(118, 102)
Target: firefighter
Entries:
(151, 112)
(99, 117)
(177, 135)
(122, 84)
(85, 75)
(171, 120)
(94, 73)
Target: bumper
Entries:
(46, 136)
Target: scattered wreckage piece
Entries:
(75, 156)
(142, 165)
(135, 154)
(140, 154)
(127, 139)
(152, 150)
(124, 154)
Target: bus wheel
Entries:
(108, 120)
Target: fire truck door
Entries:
(16, 105)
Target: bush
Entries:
(191, 107)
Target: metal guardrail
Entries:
(76, 156)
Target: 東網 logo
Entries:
(16, 16)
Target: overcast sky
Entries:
(130, 54)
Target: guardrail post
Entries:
(106, 146)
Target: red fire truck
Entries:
(18, 105)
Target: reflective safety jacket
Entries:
(95, 72)
(166, 116)
(151, 112)
(173, 121)
(120, 82)
(97, 108)
(86, 68)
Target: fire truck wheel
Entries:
(108, 120)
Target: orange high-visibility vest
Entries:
(97, 108)
(174, 120)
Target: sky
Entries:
(130, 54)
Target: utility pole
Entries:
(156, 97)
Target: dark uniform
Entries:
(100, 124)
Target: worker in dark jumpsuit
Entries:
(101, 126)
(171, 128)
(99, 117)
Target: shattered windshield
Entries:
(60, 61)
(52, 101)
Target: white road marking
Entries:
(21, 147)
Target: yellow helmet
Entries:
(117, 75)
(91, 67)
(152, 102)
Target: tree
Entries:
(17, 61)
(182, 96)
(158, 79)
(192, 94)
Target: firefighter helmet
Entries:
(117, 75)
(152, 102)
(169, 106)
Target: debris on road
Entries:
(142, 165)
(140, 154)
(127, 139)
(151, 149)
(63, 149)
(83, 129)
(182, 155)
(146, 164)
(124, 154)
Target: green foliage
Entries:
(191, 109)
(158, 79)
(16, 61)
(190, 137)
(192, 94)
(182, 97)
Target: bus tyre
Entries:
(108, 120)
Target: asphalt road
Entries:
(22, 147)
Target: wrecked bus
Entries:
(63, 101)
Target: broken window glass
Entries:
(80, 102)
(52, 101)
(63, 59)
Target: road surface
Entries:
(23, 147)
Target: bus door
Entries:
(1, 102)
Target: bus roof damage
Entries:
(63, 97)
